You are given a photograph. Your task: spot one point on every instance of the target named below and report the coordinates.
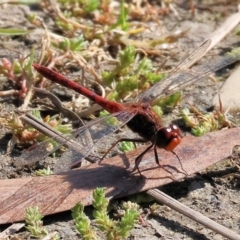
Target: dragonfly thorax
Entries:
(145, 122)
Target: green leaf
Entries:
(126, 146)
(13, 31)
(27, 2)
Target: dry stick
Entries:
(11, 230)
(196, 216)
(50, 236)
(229, 24)
(43, 127)
(51, 132)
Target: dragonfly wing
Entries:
(81, 141)
(65, 162)
(179, 78)
(161, 87)
(36, 153)
(41, 150)
(99, 130)
(182, 80)
(85, 138)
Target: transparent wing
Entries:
(81, 143)
(100, 129)
(35, 153)
(39, 151)
(180, 77)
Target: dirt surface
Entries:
(214, 193)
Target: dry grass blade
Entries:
(194, 215)
(11, 230)
(229, 24)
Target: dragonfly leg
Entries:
(139, 159)
(184, 171)
(157, 161)
(134, 140)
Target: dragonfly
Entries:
(137, 114)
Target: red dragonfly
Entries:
(137, 114)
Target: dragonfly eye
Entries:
(168, 137)
(175, 129)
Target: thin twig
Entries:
(196, 216)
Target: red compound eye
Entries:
(175, 129)
(168, 137)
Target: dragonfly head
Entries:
(168, 137)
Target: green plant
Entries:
(82, 222)
(34, 222)
(116, 230)
(27, 134)
(71, 44)
(19, 71)
(44, 172)
(201, 124)
(122, 20)
(127, 146)
(130, 77)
